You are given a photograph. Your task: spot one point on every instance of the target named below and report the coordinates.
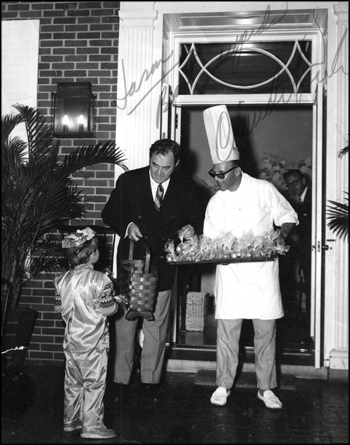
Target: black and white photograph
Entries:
(175, 218)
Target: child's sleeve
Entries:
(58, 300)
(107, 304)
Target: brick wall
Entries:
(78, 42)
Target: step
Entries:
(289, 357)
(244, 380)
(299, 371)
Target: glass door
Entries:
(282, 140)
(274, 105)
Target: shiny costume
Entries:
(85, 298)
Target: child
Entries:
(85, 298)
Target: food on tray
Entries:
(249, 245)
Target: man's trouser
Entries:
(228, 334)
(155, 336)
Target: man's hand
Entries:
(187, 231)
(134, 232)
(286, 228)
(122, 299)
(283, 233)
(280, 239)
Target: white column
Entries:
(139, 82)
(339, 355)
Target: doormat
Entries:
(245, 380)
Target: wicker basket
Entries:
(139, 282)
(196, 310)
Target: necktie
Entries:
(159, 197)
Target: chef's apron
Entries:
(248, 290)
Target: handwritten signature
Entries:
(319, 76)
(146, 75)
(165, 99)
(222, 142)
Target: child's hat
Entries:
(78, 238)
(220, 135)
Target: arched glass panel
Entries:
(245, 68)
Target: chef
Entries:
(245, 290)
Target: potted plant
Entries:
(38, 196)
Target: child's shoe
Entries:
(101, 432)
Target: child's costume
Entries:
(85, 298)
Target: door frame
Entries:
(172, 129)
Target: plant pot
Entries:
(23, 322)
(18, 390)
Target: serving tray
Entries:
(225, 260)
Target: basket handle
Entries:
(148, 252)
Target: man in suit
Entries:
(300, 237)
(133, 212)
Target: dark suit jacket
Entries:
(132, 201)
(304, 211)
(303, 231)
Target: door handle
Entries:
(324, 246)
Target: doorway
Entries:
(266, 78)
(271, 140)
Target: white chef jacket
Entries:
(248, 290)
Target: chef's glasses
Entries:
(220, 175)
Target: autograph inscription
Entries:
(135, 87)
(319, 73)
(222, 145)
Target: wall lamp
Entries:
(73, 110)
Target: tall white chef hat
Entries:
(220, 135)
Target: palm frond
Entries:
(86, 156)
(343, 151)
(39, 194)
(338, 215)
(41, 142)
(8, 123)
(13, 149)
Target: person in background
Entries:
(85, 297)
(152, 203)
(245, 290)
(300, 236)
